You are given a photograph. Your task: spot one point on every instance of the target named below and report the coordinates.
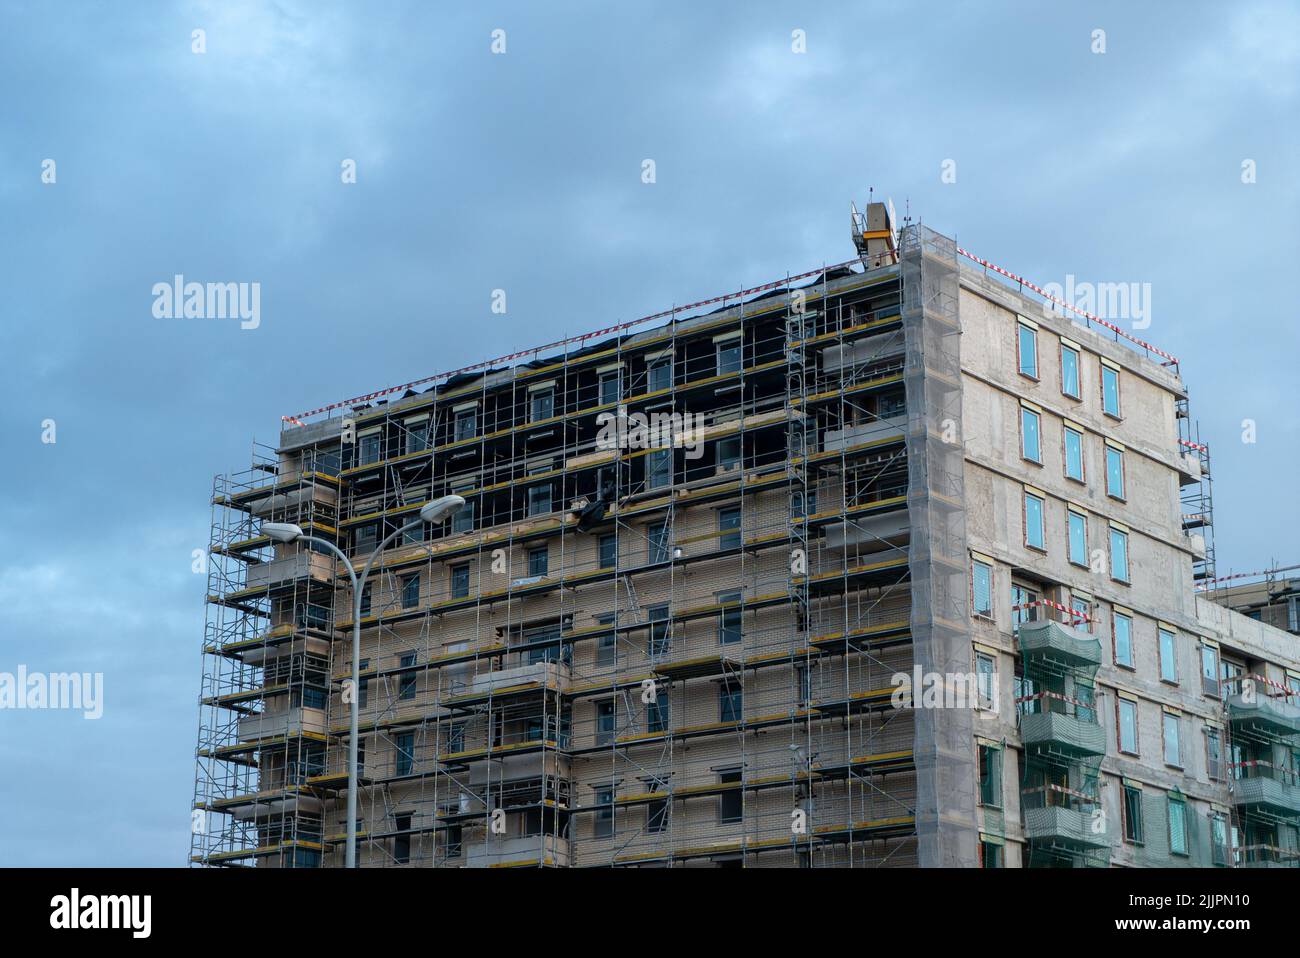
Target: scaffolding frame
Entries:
(501, 700)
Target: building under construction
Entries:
(1271, 596)
(685, 646)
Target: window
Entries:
(891, 405)
(463, 521)
(659, 374)
(1213, 755)
(731, 805)
(1168, 657)
(990, 776)
(659, 468)
(1230, 674)
(986, 682)
(1122, 633)
(1132, 814)
(539, 561)
(466, 425)
(1210, 670)
(365, 598)
(728, 453)
(414, 534)
(369, 446)
(1027, 340)
(312, 616)
(1034, 522)
(417, 436)
(541, 404)
(990, 854)
(1023, 608)
(404, 746)
(656, 816)
(1218, 840)
(611, 386)
(365, 538)
(729, 356)
(1082, 609)
(1114, 472)
(1078, 537)
(1119, 555)
(402, 840)
(314, 698)
(604, 827)
(657, 537)
(730, 702)
(363, 687)
(406, 686)
(729, 619)
(607, 643)
(456, 738)
(1128, 727)
(455, 839)
(1086, 693)
(411, 591)
(729, 528)
(981, 589)
(460, 581)
(1177, 825)
(1073, 454)
(1070, 371)
(1173, 748)
(605, 722)
(607, 550)
(803, 681)
(1110, 391)
(658, 712)
(660, 629)
(539, 499)
(1030, 440)
(803, 503)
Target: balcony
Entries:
(1267, 856)
(303, 565)
(1054, 646)
(1063, 827)
(1189, 468)
(506, 851)
(1264, 714)
(876, 432)
(878, 532)
(1266, 788)
(1056, 728)
(294, 721)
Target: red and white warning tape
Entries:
(571, 341)
(1245, 575)
(1172, 360)
(297, 419)
(1193, 445)
(1048, 603)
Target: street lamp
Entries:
(432, 512)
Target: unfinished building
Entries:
(682, 646)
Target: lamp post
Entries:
(433, 512)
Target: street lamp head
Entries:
(282, 531)
(440, 509)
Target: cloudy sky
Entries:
(522, 171)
